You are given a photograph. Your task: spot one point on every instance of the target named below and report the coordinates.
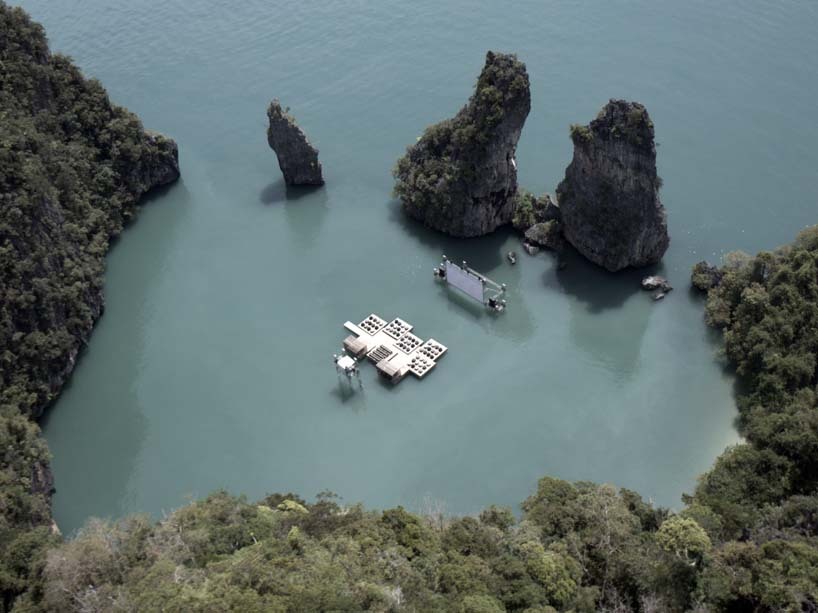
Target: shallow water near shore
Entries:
(212, 366)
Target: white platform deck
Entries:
(393, 346)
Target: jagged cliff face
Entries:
(609, 198)
(461, 176)
(297, 158)
(73, 167)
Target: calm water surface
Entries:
(212, 365)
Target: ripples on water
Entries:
(225, 301)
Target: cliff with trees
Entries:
(461, 175)
(73, 167)
(609, 199)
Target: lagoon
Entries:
(212, 366)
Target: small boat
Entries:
(512, 257)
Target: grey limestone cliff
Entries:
(461, 175)
(609, 198)
(297, 158)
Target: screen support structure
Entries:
(472, 283)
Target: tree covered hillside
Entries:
(72, 168)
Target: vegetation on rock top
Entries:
(442, 176)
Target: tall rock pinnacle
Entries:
(297, 158)
(461, 175)
(609, 198)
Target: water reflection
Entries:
(483, 253)
(486, 254)
(613, 342)
(305, 213)
(595, 287)
(100, 442)
(279, 191)
(351, 394)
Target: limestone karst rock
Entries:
(461, 175)
(705, 276)
(530, 210)
(74, 168)
(609, 198)
(159, 169)
(546, 234)
(297, 158)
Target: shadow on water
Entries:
(461, 303)
(740, 386)
(598, 289)
(483, 253)
(305, 207)
(608, 326)
(279, 191)
(305, 215)
(115, 426)
(349, 393)
(355, 397)
(487, 255)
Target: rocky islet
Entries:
(297, 158)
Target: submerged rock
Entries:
(461, 175)
(705, 276)
(297, 158)
(609, 198)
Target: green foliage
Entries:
(530, 210)
(684, 538)
(72, 168)
(556, 572)
(743, 479)
(768, 310)
(619, 120)
(580, 134)
(705, 276)
(481, 604)
(434, 172)
(774, 576)
(763, 492)
(525, 210)
(25, 516)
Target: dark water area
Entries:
(225, 300)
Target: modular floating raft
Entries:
(392, 347)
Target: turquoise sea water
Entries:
(225, 301)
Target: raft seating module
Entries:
(392, 347)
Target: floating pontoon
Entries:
(472, 283)
(392, 347)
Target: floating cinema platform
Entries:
(392, 347)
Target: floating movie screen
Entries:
(464, 281)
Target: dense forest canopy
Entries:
(72, 167)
